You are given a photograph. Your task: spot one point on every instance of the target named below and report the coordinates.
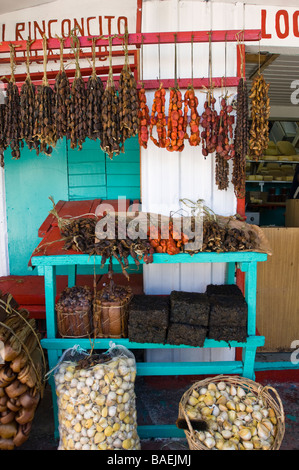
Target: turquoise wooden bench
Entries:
(245, 261)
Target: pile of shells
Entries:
(236, 419)
(97, 405)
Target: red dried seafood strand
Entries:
(191, 102)
(159, 121)
(175, 130)
(144, 119)
(209, 123)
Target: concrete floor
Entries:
(157, 402)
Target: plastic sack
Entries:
(96, 400)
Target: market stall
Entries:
(188, 122)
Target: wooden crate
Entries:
(277, 290)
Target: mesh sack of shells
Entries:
(231, 413)
(96, 400)
(74, 312)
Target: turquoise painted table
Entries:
(245, 261)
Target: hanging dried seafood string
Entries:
(27, 100)
(62, 91)
(94, 92)
(241, 137)
(191, 102)
(144, 117)
(225, 146)
(111, 137)
(12, 129)
(260, 113)
(3, 144)
(128, 98)
(77, 116)
(159, 120)
(210, 116)
(175, 128)
(44, 124)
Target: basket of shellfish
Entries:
(74, 312)
(111, 311)
(231, 413)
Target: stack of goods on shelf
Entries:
(74, 312)
(96, 400)
(22, 365)
(228, 313)
(148, 319)
(189, 318)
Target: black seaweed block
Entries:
(190, 308)
(226, 310)
(228, 333)
(225, 289)
(189, 335)
(149, 310)
(140, 334)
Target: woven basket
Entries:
(268, 394)
(74, 323)
(110, 318)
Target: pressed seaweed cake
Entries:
(189, 335)
(189, 308)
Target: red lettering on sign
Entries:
(264, 21)
(49, 27)
(124, 20)
(87, 22)
(42, 31)
(19, 27)
(109, 18)
(295, 24)
(282, 14)
(68, 32)
(78, 27)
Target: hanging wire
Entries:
(192, 44)
(141, 57)
(159, 56)
(175, 61)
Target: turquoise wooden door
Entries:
(68, 175)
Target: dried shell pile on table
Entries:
(97, 405)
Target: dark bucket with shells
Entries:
(74, 312)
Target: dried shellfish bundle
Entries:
(96, 400)
(128, 97)
(3, 144)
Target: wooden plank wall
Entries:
(277, 290)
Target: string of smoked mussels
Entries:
(12, 128)
(210, 116)
(225, 146)
(27, 108)
(62, 92)
(94, 92)
(128, 98)
(3, 144)
(44, 122)
(241, 138)
(158, 118)
(175, 131)
(144, 117)
(111, 135)
(191, 103)
(77, 121)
